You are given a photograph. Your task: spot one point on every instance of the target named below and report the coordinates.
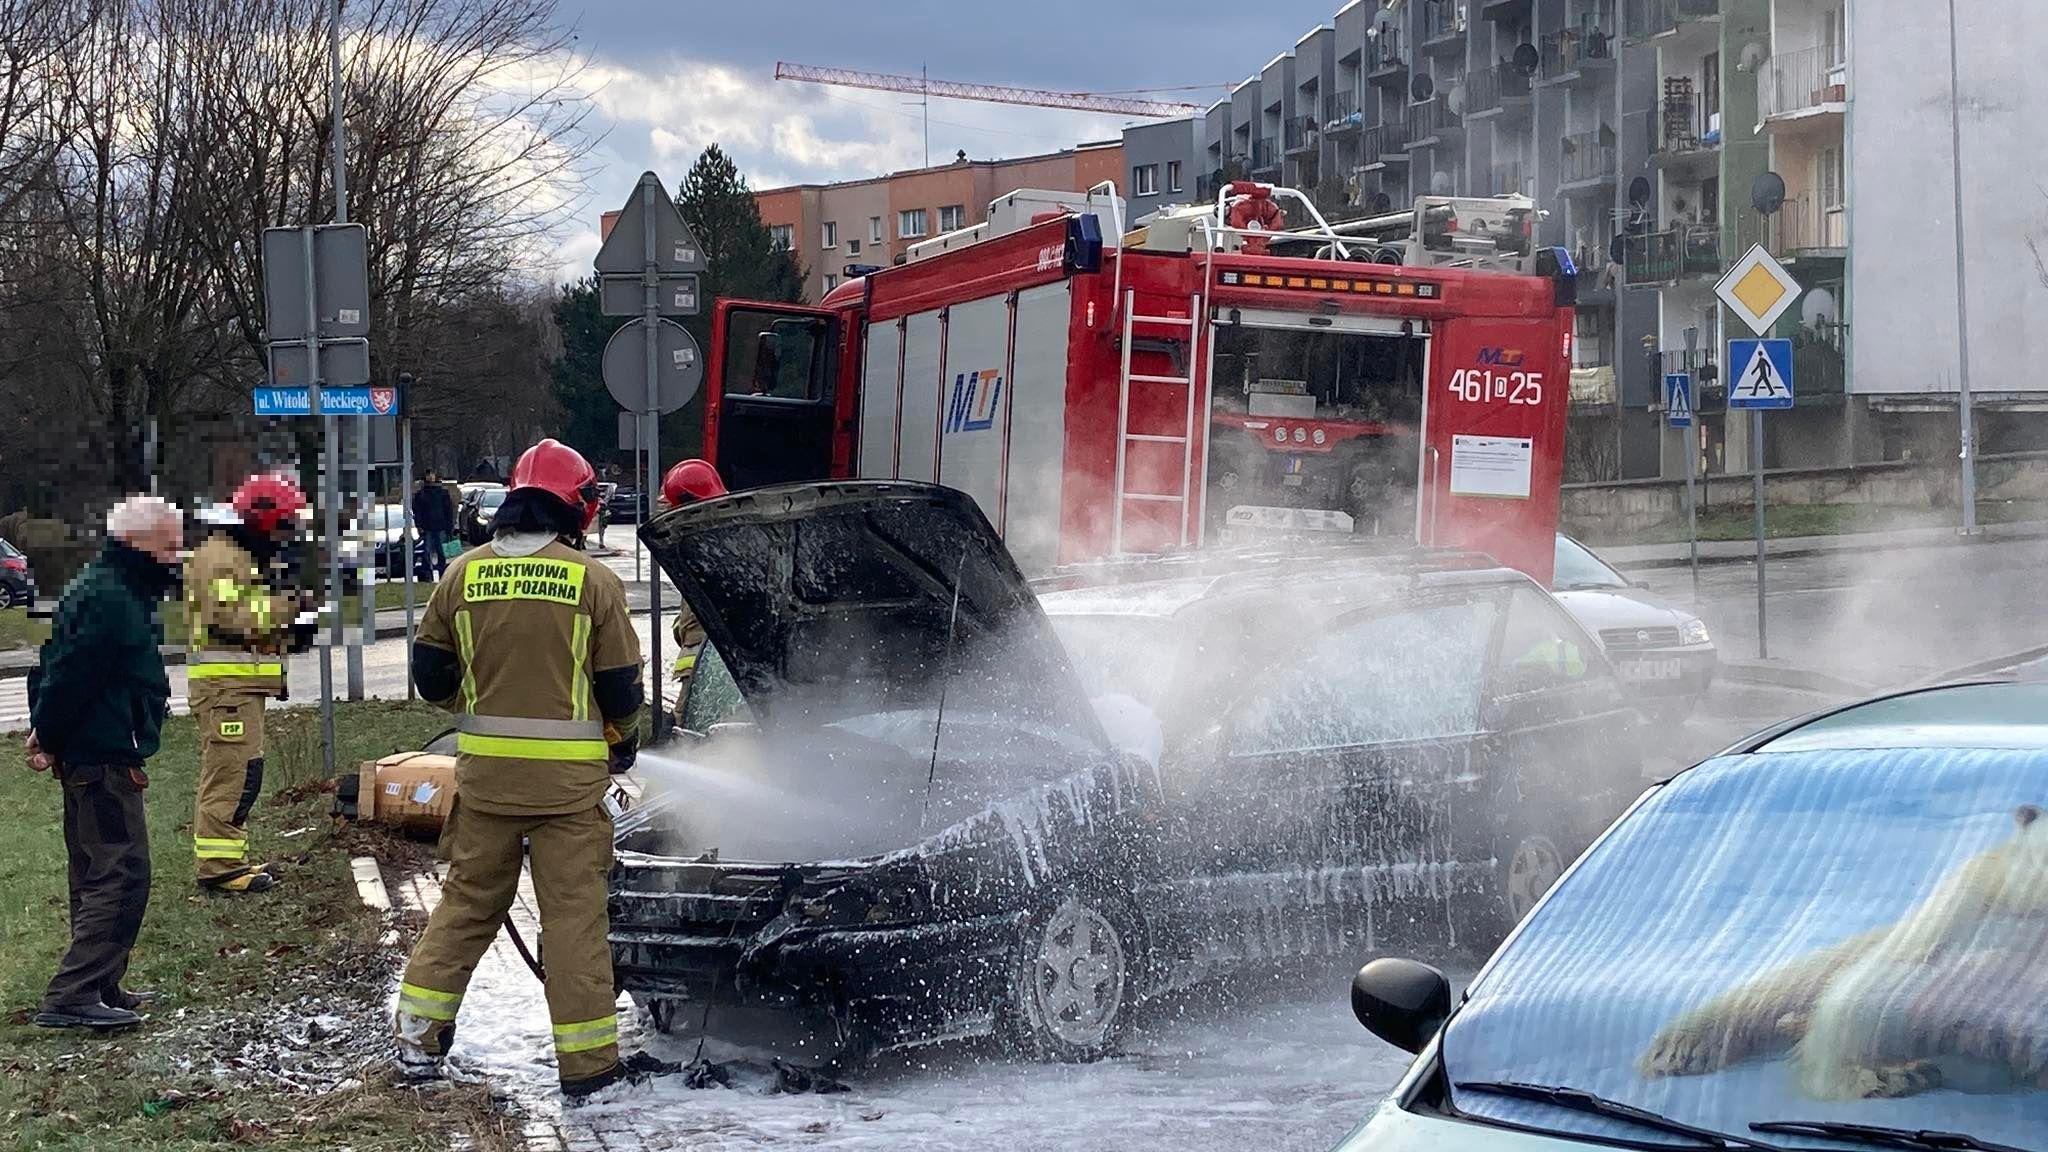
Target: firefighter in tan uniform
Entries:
(240, 628)
(686, 483)
(531, 644)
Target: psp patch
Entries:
(231, 729)
(523, 578)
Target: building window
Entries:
(1710, 91)
(1173, 176)
(952, 217)
(829, 235)
(1830, 178)
(1144, 179)
(1831, 38)
(831, 282)
(910, 222)
(853, 245)
(874, 229)
(783, 236)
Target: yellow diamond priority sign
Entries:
(1758, 290)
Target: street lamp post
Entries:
(1969, 432)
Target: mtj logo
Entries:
(975, 396)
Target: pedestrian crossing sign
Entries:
(1678, 399)
(1760, 374)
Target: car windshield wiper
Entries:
(1581, 1101)
(1886, 1137)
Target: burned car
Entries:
(897, 817)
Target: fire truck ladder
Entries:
(1192, 322)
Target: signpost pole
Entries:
(328, 497)
(1756, 436)
(1969, 451)
(366, 533)
(651, 283)
(405, 500)
(1692, 515)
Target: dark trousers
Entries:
(434, 538)
(108, 842)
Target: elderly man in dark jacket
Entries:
(97, 703)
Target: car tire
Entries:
(6, 596)
(1072, 982)
(1526, 863)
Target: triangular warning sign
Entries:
(1760, 382)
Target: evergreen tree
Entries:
(590, 415)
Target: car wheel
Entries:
(1526, 865)
(6, 596)
(1528, 874)
(1072, 983)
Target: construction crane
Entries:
(992, 93)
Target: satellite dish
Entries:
(1639, 191)
(1384, 22)
(1819, 311)
(1382, 203)
(1440, 183)
(1454, 100)
(1422, 87)
(1526, 59)
(1752, 58)
(1767, 192)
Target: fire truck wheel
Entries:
(1072, 981)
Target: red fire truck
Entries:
(1206, 371)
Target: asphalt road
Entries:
(1881, 619)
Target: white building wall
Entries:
(1902, 262)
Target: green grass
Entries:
(216, 960)
(19, 630)
(1794, 520)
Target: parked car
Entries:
(1664, 656)
(625, 505)
(1836, 923)
(386, 527)
(473, 515)
(903, 819)
(17, 582)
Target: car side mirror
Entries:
(1401, 1001)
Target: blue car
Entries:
(1833, 935)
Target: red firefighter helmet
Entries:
(691, 480)
(560, 471)
(268, 501)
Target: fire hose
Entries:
(617, 802)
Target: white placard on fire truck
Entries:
(1491, 466)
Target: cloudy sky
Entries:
(671, 76)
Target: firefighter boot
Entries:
(230, 776)
(483, 877)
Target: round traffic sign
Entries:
(679, 366)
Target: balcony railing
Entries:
(1264, 156)
(1304, 133)
(1586, 157)
(1490, 89)
(1682, 124)
(1386, 54)
(1340, 109)
(1573, 50)
(1432, 118)
(1799, 82)
(1388, 141)
(1443, 23)
(1801, 225)
(1647, 18)
(1507, 180)
(1672, 254)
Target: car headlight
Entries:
(1694, 632)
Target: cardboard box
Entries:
(409, 790)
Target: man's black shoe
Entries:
(97, 1016)
(123, 998)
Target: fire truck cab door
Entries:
(773, 413)
(1493, 446)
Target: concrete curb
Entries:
(1762, 674)
(1985, 667)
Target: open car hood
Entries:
(840, 599)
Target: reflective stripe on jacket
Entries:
(236, 623)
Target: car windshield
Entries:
(1830, 935)
(491, 497)
(7, 549)
(1578, 568)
